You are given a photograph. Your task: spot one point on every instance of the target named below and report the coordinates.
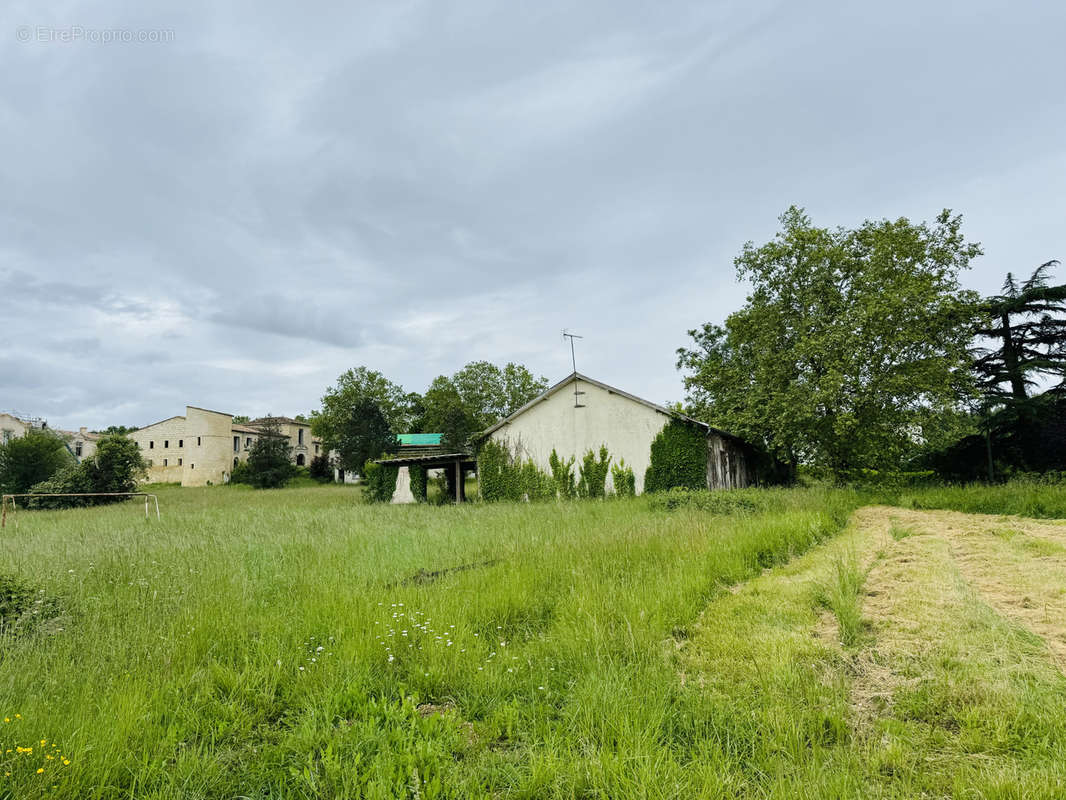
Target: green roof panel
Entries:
(419, 439)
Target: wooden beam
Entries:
(458, 478)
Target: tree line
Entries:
(859, 349)
(364, 410)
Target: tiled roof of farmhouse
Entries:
(280, 420)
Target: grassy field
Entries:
(298, 643)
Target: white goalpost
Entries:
(14, 506)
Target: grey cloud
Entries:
(275, 196)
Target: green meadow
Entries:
(299, 643)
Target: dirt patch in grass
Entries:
(427, 576)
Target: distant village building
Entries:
(80, 443)
(204, 446)
(579, 414)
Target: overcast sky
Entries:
(264, 194)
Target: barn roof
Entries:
(577, 376)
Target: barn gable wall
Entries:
(627, 428)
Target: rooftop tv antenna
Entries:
(573, 360)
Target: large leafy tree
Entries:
(847, 339)
(1027, 326)
(30, 459)
(352, 389)
(489, 393)
(363, 435)
(445, 412)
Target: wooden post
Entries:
(458, 478)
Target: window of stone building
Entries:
(236, 443)
(151, 445)
(300, 460)
(166, 444)
(300, 436)
(181, 442)
(197, 443)
(164, 462)
(316, 448)
(179, 462)
(77, 449)
(248, 443)
(8, 435)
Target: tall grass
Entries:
(1024, 498)
(269, 644)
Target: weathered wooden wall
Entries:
(730, 463)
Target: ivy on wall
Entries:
(562, 475)
(678, 458)
(418, 483)
(593, 481)
(504, 476)
(380, 482)
(625, 482)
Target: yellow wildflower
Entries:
(18, 716)
(44, 742)
(40, 770)
(66, 762)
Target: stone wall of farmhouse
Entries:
(163, 447)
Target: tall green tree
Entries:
(363, 435)
(30, 459)
(270, 459)
(447, 414)
(490, 393)
(352, 389)
(1027, 324)
(520, 386)
(846, 338)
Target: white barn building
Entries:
(579, 414)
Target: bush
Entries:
(503, 476)
(678, 458)
(30, 459)
(117, 466)
(22, 608)
(320, 469)
(241, 474)
(562, 474)
(270, 459)
(625, 482)
(593, 481)
(380, 482)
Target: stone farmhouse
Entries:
(80, 443)
(202, 447)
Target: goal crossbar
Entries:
(14, 506)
